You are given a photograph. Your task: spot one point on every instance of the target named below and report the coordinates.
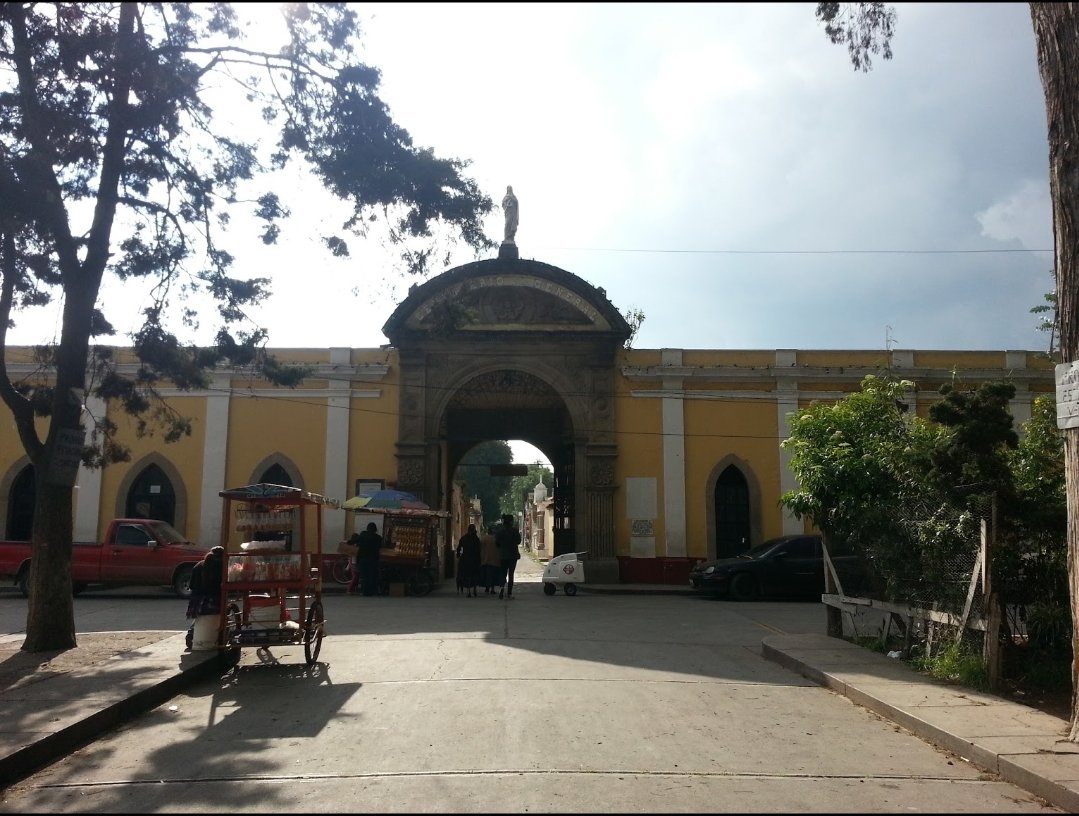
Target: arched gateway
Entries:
(514, 349)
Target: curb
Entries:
(1008, 767)
(33, 757)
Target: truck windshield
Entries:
(165, 533)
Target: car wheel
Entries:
(570, 589)
(744, 587)
(182, 582)
(549, 589)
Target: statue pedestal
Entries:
(508, 251)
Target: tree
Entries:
(512, 501)
(1056, 37)
(858, 462)
(115, 162)
(634, 317)
(1049, 323)
(477, 476)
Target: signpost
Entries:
(1067, 377)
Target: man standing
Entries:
(368, 543)
(509, 541)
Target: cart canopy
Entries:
(274, 492)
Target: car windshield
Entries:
(761, 550)
(166, 533)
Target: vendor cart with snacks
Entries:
(271, 593)
(411, 535)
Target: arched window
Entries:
(20, 512)
(152, 496)
(276, 474)
(732, 513)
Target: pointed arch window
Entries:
(732, 513)
(152, 496)
(20, 514)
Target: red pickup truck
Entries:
(135, 551)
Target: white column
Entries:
(674, 460)
(786, 403)
(1020, 404)
(335, 478)
(214, 459)
(88, 492)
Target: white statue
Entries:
(510, 208)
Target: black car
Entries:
(789, 567)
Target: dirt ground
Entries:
(19, 668)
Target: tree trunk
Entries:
(1056, 34)
(50, 618)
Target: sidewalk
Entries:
(48, 719)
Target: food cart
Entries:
(271, 592)
(409, 556)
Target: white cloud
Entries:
(1024, 215)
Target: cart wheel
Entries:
(549, 589)
(571, 589)
(313, 632)
(230, 655)
(342, 570)
(420, 583)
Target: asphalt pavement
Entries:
(48, 720)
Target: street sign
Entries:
(1067, 376)
(509, 470)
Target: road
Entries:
(611, 703)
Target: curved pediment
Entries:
(506, 295)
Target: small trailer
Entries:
(566, 570)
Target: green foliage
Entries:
(909, 495)
(634, 317)
(857, 462)
(478, 480)
(866, 28)
(1050, 322)
(956, 663)
(114, 160)
(512, 501)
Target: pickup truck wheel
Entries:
(182, 582)
(24, 583)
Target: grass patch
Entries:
(955, 663)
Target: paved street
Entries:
(620, 703)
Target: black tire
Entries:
(744, 587)
(549, 589)
(24, 582)
(420, 583)
(313, 632)
(181, 583)
(342, 570)
(570, 589)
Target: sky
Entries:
(720, 167)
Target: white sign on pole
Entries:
(1067, 376)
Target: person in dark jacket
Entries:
(468, 561)
(368, 545)
(509, 542)
(206, 577)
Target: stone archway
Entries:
(511, 349)
(512, 404)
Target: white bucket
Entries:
(205, 636)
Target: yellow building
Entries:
(661, 456)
